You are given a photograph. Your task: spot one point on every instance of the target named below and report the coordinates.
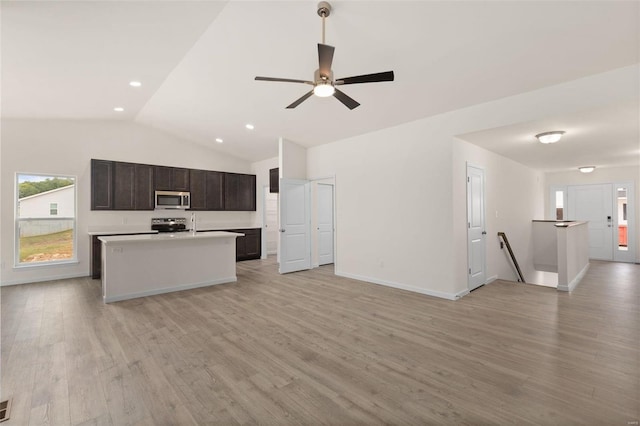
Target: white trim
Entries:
(47, 264)
(491, 279)
(169, 289)
(573, 284)
(440, 294)
(263, 232)
(44, 279)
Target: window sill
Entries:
(46, 264)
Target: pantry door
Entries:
(295, 225)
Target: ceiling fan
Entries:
(323, 82)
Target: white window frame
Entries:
(17, 219)
(52, 209)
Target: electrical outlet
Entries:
(117, 250)
(124, 220)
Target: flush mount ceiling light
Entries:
(249, 126)
(135, 84)
(118, 109)
(550, 137)
(587, 169)
(219, 140)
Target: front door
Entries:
(325, 223)
(593, 203)
(476, 227)
(295, 223)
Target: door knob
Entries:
(281, 230)
(484, 232)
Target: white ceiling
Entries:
(197, 61)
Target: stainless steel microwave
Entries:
(173, 200)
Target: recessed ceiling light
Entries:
(587, 169)
(118, 109)
(249, 126)
(219, 140)
(550, 137)
(135, 84)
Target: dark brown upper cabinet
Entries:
(198, 185)
(215, 190)
(239, 192)
(117, 185)
(133, 186)
(274, 180)
(171, 178)
(207, 190)
(144, 187)
(101, 185)
(124, 192)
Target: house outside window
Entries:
(45, 219)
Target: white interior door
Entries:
(270, 222)
(476, 227)
(295, 224)
(325, 223)
(593, 203)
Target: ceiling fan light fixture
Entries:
(550, 137)
(587, 169)
(324, 89)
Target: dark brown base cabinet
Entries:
(250, 246)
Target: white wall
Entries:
(401, 191)
(598, 176)
(65, 147)
(293, 160)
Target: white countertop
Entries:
(167, 236)
(123, 230)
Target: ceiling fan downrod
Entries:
(324, 10)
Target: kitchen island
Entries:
(144, 265)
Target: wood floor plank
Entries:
(314, 348)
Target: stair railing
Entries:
(513, 256)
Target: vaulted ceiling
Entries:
(197, 62)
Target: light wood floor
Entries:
(311, 348)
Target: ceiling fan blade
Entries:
(300, 100)
(325, 58)
(367, 78)
(284, 80)
(345, 99)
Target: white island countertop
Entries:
(167, 236)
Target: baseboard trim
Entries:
(491, 279)
(439, 294)
(168, 290)
(43, 279)
(574, 283)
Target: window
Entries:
(559, 205)
(45, 219)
